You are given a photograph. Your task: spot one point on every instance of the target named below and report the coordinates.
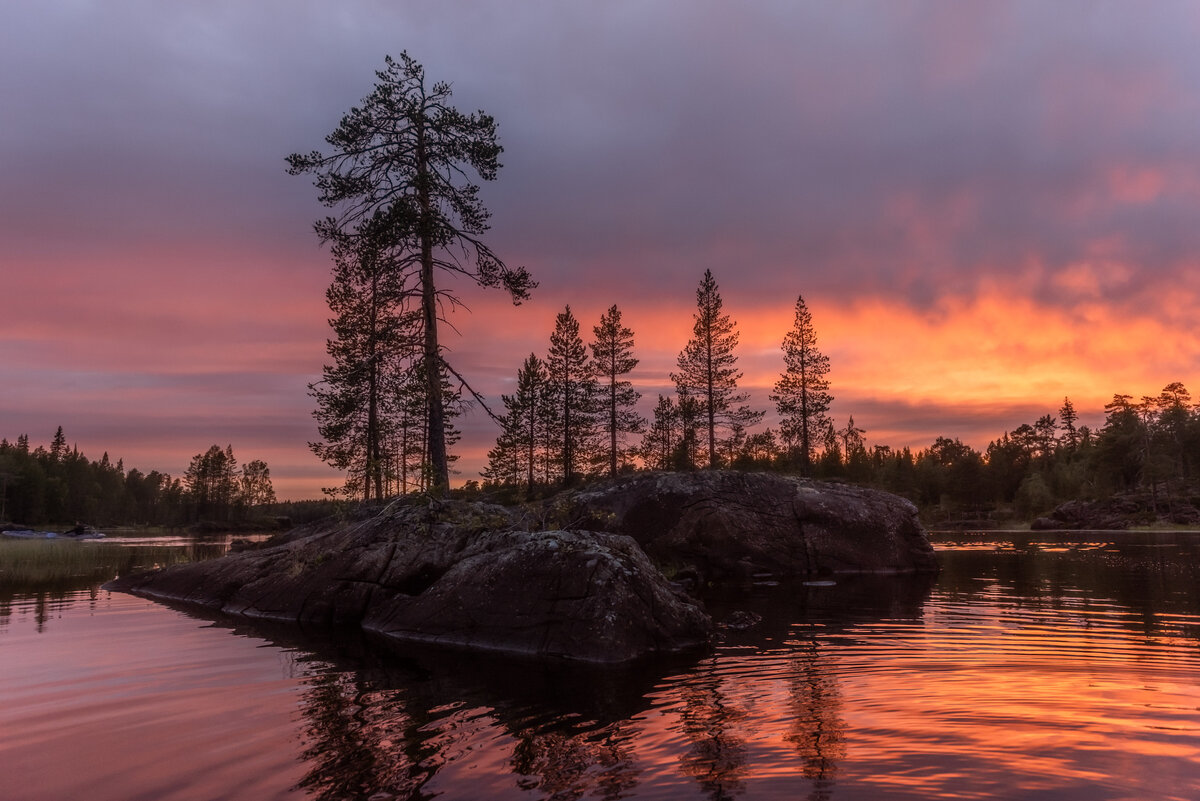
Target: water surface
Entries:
(1034, 666)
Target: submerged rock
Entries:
(726, 524)
(452, 573)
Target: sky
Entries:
(987, 206)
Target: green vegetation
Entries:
(62, 486)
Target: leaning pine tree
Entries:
(708, 368)
(405, 153)
(802, 392)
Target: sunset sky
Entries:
(987, 206)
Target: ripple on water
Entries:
(1023, 674)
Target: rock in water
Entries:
(581, 585)
(726, 524)
(453, 573)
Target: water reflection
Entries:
(713, 725)
(1153, 576)
(359, 741)
(412, 723)
(1030, 668)
(818, 731)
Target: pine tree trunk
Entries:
(433, 365)
(612, 421)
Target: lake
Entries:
(1036, 666)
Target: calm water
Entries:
(1033, 667)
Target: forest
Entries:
(60, 485)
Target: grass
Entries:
(33, 565)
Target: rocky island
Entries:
(597, 574)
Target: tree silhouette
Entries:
(1070, 435)
(255, 484)
(367, 298)
(612, 358)
(403, 155)
(522, 435)
(572, 392)
(657, 449)
(708, 367)
(802, 392)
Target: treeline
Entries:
(574, 413)
(1148, 447)
(61, 485)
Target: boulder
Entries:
(721, 525)
(1112, 515)
(451, 573)
(577, 577)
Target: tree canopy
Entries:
(404, 159)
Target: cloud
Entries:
(980, 197)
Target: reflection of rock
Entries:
(452, 573)
(380, 721)
(727, 524)
(740, 620)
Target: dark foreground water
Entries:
(1033, 667)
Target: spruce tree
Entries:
(708, 367)
(802, 392)
(572, 391)
(521, 440)
(657, 449)
(1068, 416)
(367, 299)
(612, 358)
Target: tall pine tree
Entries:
(572, 385)
(406, 154)
(612, 359)
(708, 367)
(802, 392)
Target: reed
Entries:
(30, 564)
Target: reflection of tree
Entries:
(357, 743)
(569, 766)
(717, 759)
(817, 730)
(388, 728)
